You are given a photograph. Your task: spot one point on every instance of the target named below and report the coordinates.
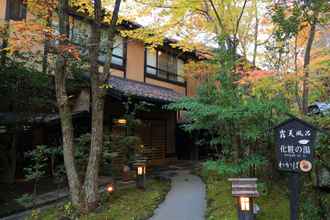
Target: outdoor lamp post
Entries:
(140, 173)
(245, 190)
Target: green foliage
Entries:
(322, 146)
(288, 26)
(309, 211)
(69, 211)
(24, 86)
(131, 109)
(80, 79)
(25, 200)
(127, 145)
(224, 168)
(82, 144)
(262, 188)
(39, 160)
(130, 144)
(35, 215)
(237, 121)
(34, 172)
(325, 199)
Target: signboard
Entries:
(295, 145)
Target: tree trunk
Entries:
(65, 111)
(91, 178)
(307, 58)
(98, 98)
(296, 86)
(92, 172)
(46, 48)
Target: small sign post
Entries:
(295, 151)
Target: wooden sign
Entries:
(295, 144)
(295, 151)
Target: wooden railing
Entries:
(164, 75)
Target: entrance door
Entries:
(153, 134)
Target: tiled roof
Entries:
(143, 90)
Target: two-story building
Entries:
(155, 76)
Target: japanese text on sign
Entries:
(294, 142)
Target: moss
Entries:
(221, 205)
(125, 204)
(326, 204)
(274, 203)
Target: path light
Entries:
(110, 188)
(3, 129)
(245, 190)
(140, 166)
(244, 203)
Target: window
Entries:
(80, 33)
(180, 70)
(117, 51)
(164, 66)
(16, 10)
(151, 62)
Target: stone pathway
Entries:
(185, 201)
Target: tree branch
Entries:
(111, 36)
(239, 18)
(216, 14)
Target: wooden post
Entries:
(294, 195)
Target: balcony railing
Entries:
(157, 73)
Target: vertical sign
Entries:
(295, 145)
(294, 150)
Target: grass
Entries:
(125, 204)
(274, 202)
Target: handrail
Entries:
(100, 52)
(170, 76)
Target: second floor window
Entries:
(16, 10)
(164, 66)
(80, 33)
(117, 50)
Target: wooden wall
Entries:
(2, 9)
(178, 88)
(135, 60)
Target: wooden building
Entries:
(154, 76)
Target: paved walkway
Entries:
(185, 201)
